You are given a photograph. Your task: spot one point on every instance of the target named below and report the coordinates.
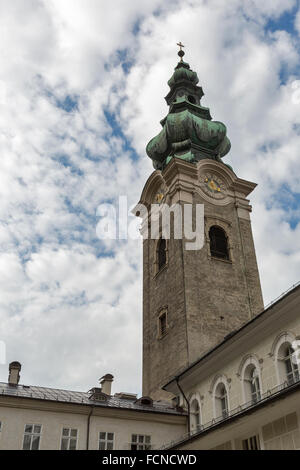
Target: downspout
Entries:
(88, 428)
(187, 402)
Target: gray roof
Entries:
(82, 398)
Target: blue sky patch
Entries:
(68, 104)
(286, 22)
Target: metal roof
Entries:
(82, 398)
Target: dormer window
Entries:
(146, 401)
(97, 394)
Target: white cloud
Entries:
(71, 305)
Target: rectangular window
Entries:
(69, 439)
(251, 444)
(32, 436)
(106, 441)
(140, 442)
(163, 324)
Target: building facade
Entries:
(245, 392)
(39, 418)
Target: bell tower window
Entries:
(218, 243)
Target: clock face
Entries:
(213, 185)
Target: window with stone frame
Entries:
(218, 243)
(162, 323)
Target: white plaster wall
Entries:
(14, 420)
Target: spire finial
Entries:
(180, 52)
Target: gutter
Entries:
(188, 404)
(88, 428)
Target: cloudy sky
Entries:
(81, 93)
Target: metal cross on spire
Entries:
(180, 52)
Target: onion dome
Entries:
(188, 131)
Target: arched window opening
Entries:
(221, 401)
(195, 415)
(288, 370)
(192, 99)
(255, 387)
(161, 254)
(218, 243)
(291, 367)
(252, 384)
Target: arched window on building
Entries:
(161, 253)
(195, 415)
(218, 243)
(221, 401)
(252, 384)
(288, 368)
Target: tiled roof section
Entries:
(82, 398)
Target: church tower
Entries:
(192, 299)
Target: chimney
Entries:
(14, 373)
(105, 383)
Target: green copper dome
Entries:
(188, 131)
(183, 72)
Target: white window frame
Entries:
(255, 386)
(196, 417)
(69, 437)
(106, 440)
(32, 434)
(250, 362)
(284, 338)
(220, 380)
(142, 445)
(289, 364)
